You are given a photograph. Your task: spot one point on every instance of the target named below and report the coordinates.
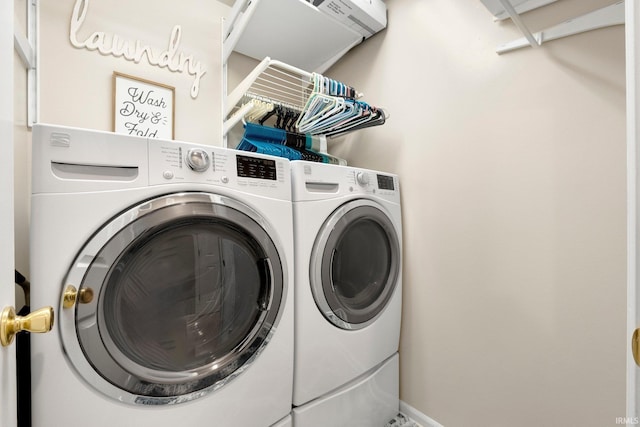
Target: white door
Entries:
(632, 27)
(7, 354)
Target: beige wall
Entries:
(76, 85)
(513, 182)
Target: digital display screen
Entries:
(252, 167)
(385, 182)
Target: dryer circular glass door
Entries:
(355, 264)
(187, 291)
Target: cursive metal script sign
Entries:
(114, 45)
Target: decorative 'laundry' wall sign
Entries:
(142, 108)
(115, 45)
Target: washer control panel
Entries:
(178, 162)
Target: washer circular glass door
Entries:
(188, 289)
(355, 264)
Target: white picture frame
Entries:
(142, 107)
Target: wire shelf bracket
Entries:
(605, 17)
(497, 9)
(27, 50)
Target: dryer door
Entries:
(355, 264)
(187, 290)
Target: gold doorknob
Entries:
(72, 295)
(635, 346)
(39, 321)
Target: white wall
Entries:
(513, 183)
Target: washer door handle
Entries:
(72, 295)
(39, 321)
(635, 346)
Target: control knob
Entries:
(362, 178)
(197, 159)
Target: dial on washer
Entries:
(197, 159)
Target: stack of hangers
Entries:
(293, 131)
(332, 109)
(283, 143)
(328, 108)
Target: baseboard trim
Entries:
(418, 416)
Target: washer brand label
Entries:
(58, 139)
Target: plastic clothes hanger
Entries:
(258, 109)
(359, 113)
(320, 107)
(379, 118)
(311, 107)
(329, 106)
(349, 110)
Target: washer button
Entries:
(167, 174)
(225, 180)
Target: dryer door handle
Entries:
(39, 321)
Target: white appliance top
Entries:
(321, 181)
(308, 38)
(69, 160)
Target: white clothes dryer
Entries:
(348, 274)
(169, 265)
(370, 400)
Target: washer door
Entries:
(188, 291)
(355, 264)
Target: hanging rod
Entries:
(604, 17)
(242, 110)
(269, 99)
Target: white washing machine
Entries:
(348, 275)
(169, 267)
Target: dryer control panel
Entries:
(315, 181)
(178, 162)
